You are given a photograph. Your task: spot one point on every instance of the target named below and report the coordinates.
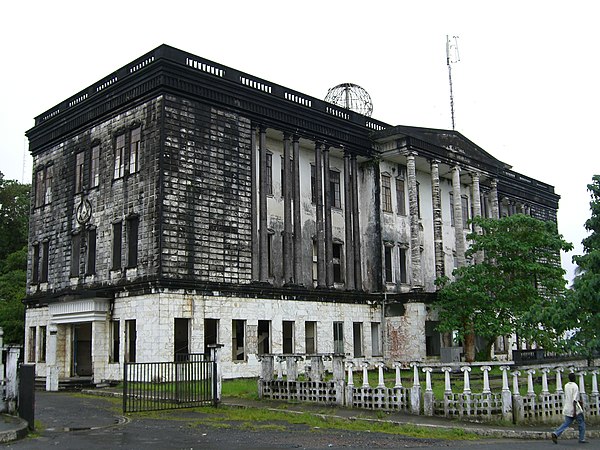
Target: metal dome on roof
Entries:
(352, 97)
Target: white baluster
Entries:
(505, 370)
(582, 382)
(397, 366)
(364, 366)
(530, 373)
(447, 386)
(467, 384)
(415, 367)
(515, 375)
(428, 371)
(559, 386)
(379, 366)
(349, 366)
(545, 371)
(486, 379)
(595, 382)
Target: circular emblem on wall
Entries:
(84, 211)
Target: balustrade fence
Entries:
(282, 378)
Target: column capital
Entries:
(474, 174)
(262, 128)
(286, 135)
(295, 137)
(433, 161)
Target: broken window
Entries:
(44, 261)
(35, 263)
(464, 203)
(310, 336)
(42, 345)
(95, 167)
(130, 340)
(43, 186)
(402, 263)
(387, 263)
(375, 341)
(400, 196)
(264, 337)
(132, 241)
(338, 338)
(119, 158)
(238, 334)
(386, 193)
(334, 189)
(337, 263)
(117, 245)
(115, 337)
(75, 254)
(134, 150)
(269, 173)
(90, 266)
(288, 336)
(32, 345)
(79, 163)
(357, 339)
(313, 184)
(211, 333)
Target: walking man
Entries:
(572, 410)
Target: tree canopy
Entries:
(14, 228)
(509, 291)
(581, 315)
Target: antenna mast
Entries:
(452, 57)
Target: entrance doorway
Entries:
(182, 341)
(82, 350)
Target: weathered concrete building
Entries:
(179, 203)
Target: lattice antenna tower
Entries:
(452, 57)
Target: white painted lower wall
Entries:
(155, 315)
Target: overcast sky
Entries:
(526, 88)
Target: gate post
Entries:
(51, 367)
(27, 394)
(217, 383)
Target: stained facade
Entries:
(179, 203)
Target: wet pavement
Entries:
(75, 421)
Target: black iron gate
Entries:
(188, 382)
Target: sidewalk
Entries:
(89, 414)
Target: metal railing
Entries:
(188, 382)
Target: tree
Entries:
(14, 216)
(509, 290)
(14, 229)
(581, 315)
(13, 278)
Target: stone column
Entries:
(319, 215)
(476, 199)
(530, 374)
(356, 225)
(255, 209)
(297, 214)
(458, 218)
(447, 385)
(415, 241)
(263, 232)
(437, 219)
(365, 374)
(328, 232)
(494, 200)
(51, 367)
(348, 223)
(545, 390)
(287, 211)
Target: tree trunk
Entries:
(469, 347)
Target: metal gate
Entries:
(188, 382)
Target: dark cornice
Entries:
(169, 70)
